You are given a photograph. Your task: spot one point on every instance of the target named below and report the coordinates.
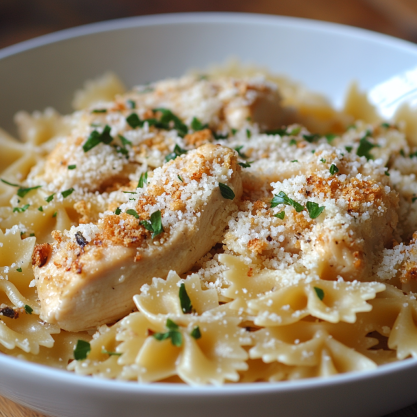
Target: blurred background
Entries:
(24, 19)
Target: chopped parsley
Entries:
(387, 173)
(248, 133)
(314, 137)
(67, 193)
(280, 215)
(55, 214)
(180, 178)
(154, 225)
(349, 148)
(195, 333)
(185, 301)
(196, 125)
(402, 153)
(413, 199)
(365, 147)
(167, 117)
(22, 191)
(238, 150)
(319, 292)
(329, 137)
(295, 160)
(96, 138)
(40, 208)
(178, 151)
(134, 121)
(125, 141)
(282, 198)
(21, 209)
(226, 191)
(133, 213)
(293, 142)
(131, 104)
(72, 166)
(143, 179)
(106, 352)
(28, 309)
(245, 164)
(122, 150)
(173, 333)
(385, 125)
(280, 132)
(19, 269)
(314, 210)
(322, 160)
(117, 211)
(82, 349)
(234, 131)
(333, 169)
(99, 111)
(49, 198)
(219, 136)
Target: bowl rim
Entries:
(59, 376)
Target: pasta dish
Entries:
(230, 226)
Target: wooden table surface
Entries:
(24, 19)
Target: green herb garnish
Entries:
(295, 160)
(82, 349)
(28, 309)
(99, 111)
(314, 210)
(174, 334)
(178, 151)
(385, 125)
(245, 164)
(349, 148)
(238, 150)
(96, 138)
(22, 191)
(143, 179)
(180, 178)
(333, 169)
(134, 121)
(322, 160)
(248, 133)
(196, 125)
(226, 191)
(314, 137)
(55, 214)
(154, 225)
(219, 136)
(67, 193)
(195, 333)
(185, 301)
(387, 173)
(49, 198)
(117, 211)
(329, 137)
(19, 269)
(133, 213)
(72, 166)
(365, 147)
(168, 117)
(280, 215)
(131, 104)
(319, 292)
(282, 198)
(21, 209)
(125, 141)
(40, 208)
(293, 142)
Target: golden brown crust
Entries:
(41, 254)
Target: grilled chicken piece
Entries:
(89, 275)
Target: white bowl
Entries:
(325, 57)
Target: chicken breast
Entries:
(89, 275)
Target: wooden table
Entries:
(26, 19)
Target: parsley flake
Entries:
(185, 301)
(134, 121)
(117, 211)
(226, 191)
(322, 160)
(413, 199)
(55, 214)
(180, 178)
(238, 150)
(40, 208)
(125, 141)
(99, 111)
(387, 173)
(143, 179)
(385, 125)
(131, 104)
(67, 193)
(167, 117)
(106, 352)
(282, 198)
(72, 166)
(196, 125)
(49, 198)
(21, 209)
(402, 153)
(293, 142)
(314, 210)
(319, 292)
(154, 225)
(96, 138)
(245, 164)
(333, 169)
(329, 137)
(195, 333)
(178, 151)
(280, 215)
(234, 131)
(248, 133)
(174, 334)
(349, 148)
(9, 183)
(82, 349)
(133, 213)
(365, 147)
(295, 160)
(22, 191)
(28, 309)
(219, 136)
(314, 137)
(19, 269)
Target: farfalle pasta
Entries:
(221, 227)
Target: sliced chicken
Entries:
(89, 275)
